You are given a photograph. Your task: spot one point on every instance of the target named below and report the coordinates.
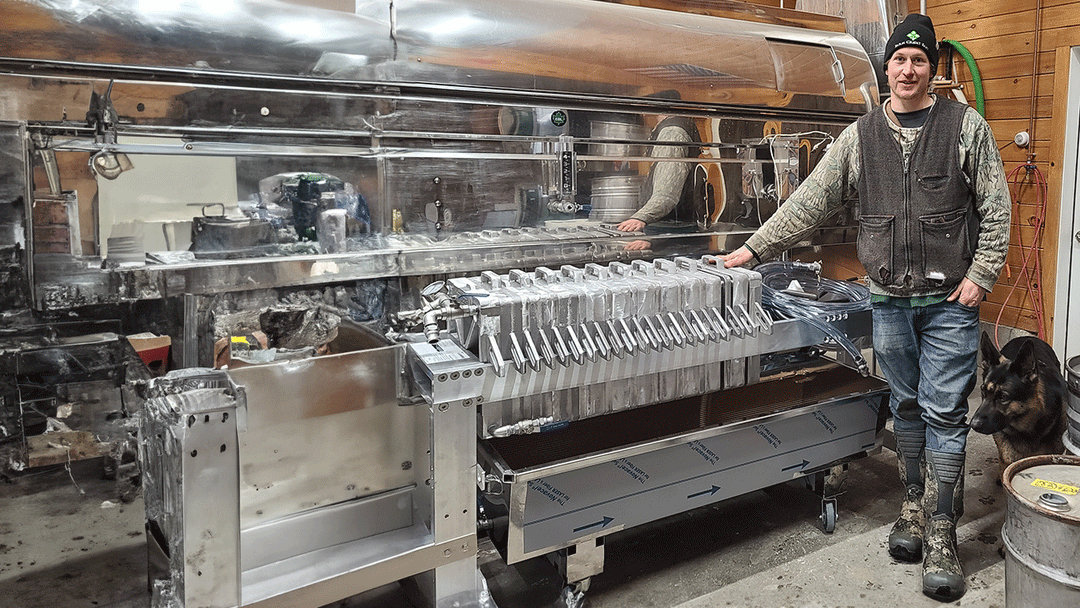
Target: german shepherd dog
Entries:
(1023, 399)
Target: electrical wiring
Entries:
(1031, 262)
(1030, 271)
(797, 291)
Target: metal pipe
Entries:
(1034, 79)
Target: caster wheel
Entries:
(828, 515)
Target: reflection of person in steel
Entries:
(666, 185)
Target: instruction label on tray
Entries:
(703, 451)
(1056, 487)
(551, 492)
(768, 435)
(825, 422)
(635, 473)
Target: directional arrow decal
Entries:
(710, 492)
(800, 466)
(602, 524)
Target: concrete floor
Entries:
(66, 541)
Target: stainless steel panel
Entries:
(290, 391)
(334, 573)
(641, 430)
(300, 545)
(453, 516)
(211, 482)
(293, 535)
(190, 454)
(454, 585)
(322, 431)
(454, 462)
(14, 189)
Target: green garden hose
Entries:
(980, 102)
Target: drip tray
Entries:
(621, 470)
(654, 422)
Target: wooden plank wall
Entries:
(1002, 37)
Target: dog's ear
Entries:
(991, 356)
(1026, 364)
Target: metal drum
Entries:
(1042, 532)
(1072, 430)
(615, 197)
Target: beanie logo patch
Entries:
(913, 35)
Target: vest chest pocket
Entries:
(875, 246)
(933, 183)
(946, 248)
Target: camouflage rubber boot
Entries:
(906, 536)
(943, 578)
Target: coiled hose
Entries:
(797, 291)
(976, 79)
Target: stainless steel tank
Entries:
(1042, 532)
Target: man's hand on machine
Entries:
(630, 225)
(738, 257)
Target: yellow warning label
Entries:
(239, 340)
(1057, 487)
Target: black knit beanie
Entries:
(918, 31)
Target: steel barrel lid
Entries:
(1049, 485)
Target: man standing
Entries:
(934, 231)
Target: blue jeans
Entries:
(929, 353)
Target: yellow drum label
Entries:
(1056, 487)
